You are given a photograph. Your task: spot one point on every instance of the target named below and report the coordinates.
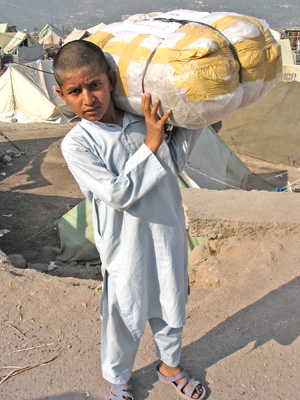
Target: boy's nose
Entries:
(88, 97)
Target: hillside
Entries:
(34, 14)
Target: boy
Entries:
(128, 172)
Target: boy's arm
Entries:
(140, 174)
(119, 191)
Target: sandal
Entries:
(188, 380)
(121, 392)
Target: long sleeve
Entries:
(140, 174)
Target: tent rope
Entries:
(37, 233)
(212, 178)
(291, 183)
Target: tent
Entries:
(76, 34)
(7, 28)
(5, 38)
(291, 73)
(96, 28)
(47, 28)
(211, 165)
(268, 129)
(52, 37)
(28, 94)
(29, 54)
(19, 39)
(287, 54)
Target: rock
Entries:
(211, 245)
(38, 266)
(47, 254)
(208, 275)
(17, 260)
(14, 120)
(6, 159)
(197, 255)
(13, 153)
(10, 153)
(229, 246)
(3, 257)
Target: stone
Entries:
(47, 254)
(6, 159)
(211, 245)
(17, 260)
(208, 275)
(10, 153)
(197, 255)
(38, 267)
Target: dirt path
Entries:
(242, 333)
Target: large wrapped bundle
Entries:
(202, 66)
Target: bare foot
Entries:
(170, 372)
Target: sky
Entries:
(27, 14)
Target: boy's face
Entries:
(88, 93)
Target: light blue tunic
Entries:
(138, 217)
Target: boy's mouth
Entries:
(91, 111)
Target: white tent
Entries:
(20, 38)
(287, 54)
(7, 28)
(213, 165)
(76, 34)
(96, 28)
(52, 37)
(28, 94)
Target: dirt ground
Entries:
(242, 333)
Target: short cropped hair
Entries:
(76, 54)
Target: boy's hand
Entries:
(154, 125)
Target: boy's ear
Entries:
(60, 92)
(112, 76)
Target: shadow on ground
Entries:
(30, 161)
(32, 222)
(276, 316)
(267, 181)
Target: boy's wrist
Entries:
(153, 146)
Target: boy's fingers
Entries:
(155, 107)
(148, 110)
(146, 98)
(166, 116)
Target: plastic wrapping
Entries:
(201, 65)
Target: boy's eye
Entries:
(94, 84)
(75, 91)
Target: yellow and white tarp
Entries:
(201, 65)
